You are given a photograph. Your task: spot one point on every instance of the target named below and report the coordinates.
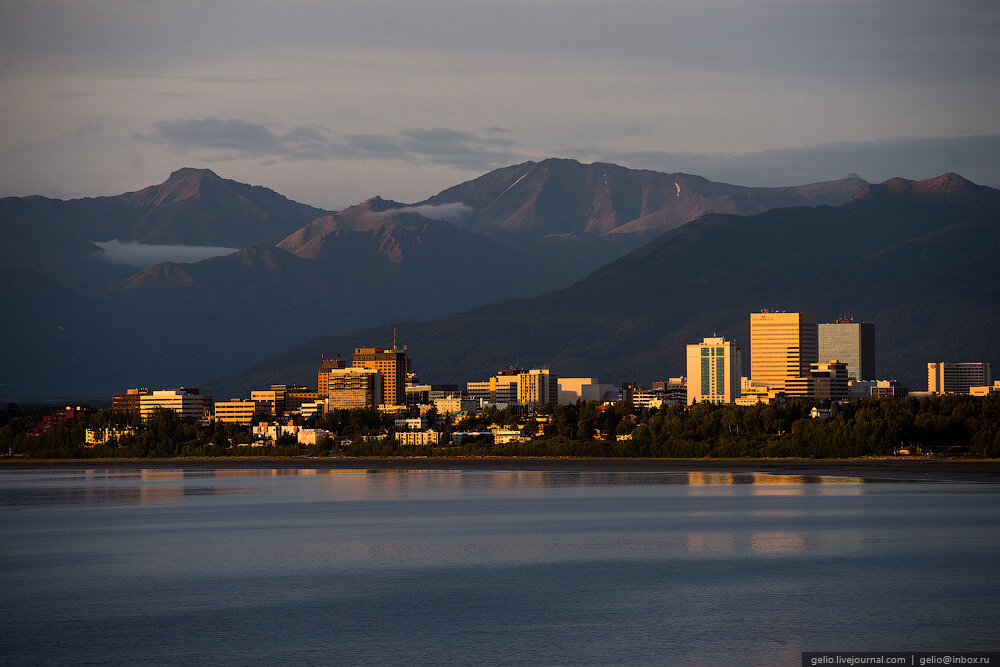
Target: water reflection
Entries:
(111, 486)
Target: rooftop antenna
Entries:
(394, 338)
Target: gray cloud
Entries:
(461, 150)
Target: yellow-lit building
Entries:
(713, 371)
(101, 436)
(782, 347)
(351, 388)
(957, 378)
(393, 366)
(239, 411)
(323, 376)
(187, 403)
(417, 438)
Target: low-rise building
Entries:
(417, 438)
(411, 424)
(957, 378)
(188, 403)
(312, 436)
(102, 436)
(240, 411)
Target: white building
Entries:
(713, 371)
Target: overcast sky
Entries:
(331, 103)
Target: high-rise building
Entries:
(538, 386)
(323, 375)
(354, 388)
(782, 346)
(850, 342)
(713, 371)
(956, 378)
(392, 364)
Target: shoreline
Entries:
(939, 470)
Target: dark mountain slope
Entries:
(895, 254)
(192, 207)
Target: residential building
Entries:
(188, 403)
(850, 342)
(354, 388)
(713, 371)
(417, 438)
(392, 364)
(956, 378)
(782, 346)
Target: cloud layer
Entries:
(141, 255)
(234, 137)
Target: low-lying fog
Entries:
(141, 255)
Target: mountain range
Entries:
(918, 258)
(557, 235)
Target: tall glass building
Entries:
(713, 371)
(852, 343)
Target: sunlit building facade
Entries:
(782, 347)
(713, 371)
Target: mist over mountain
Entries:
(84, 326)
(914, 257)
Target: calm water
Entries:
(445, 567)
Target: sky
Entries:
(331, 103)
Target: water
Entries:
(451, 567)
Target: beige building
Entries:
(713, 371)
(323, 375)
(239, 411)
(417, 438)
(957, 378)
(187, 403)
(782, 347)
(351, 388)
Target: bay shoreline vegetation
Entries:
(950, 425)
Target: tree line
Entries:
(953, 423)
